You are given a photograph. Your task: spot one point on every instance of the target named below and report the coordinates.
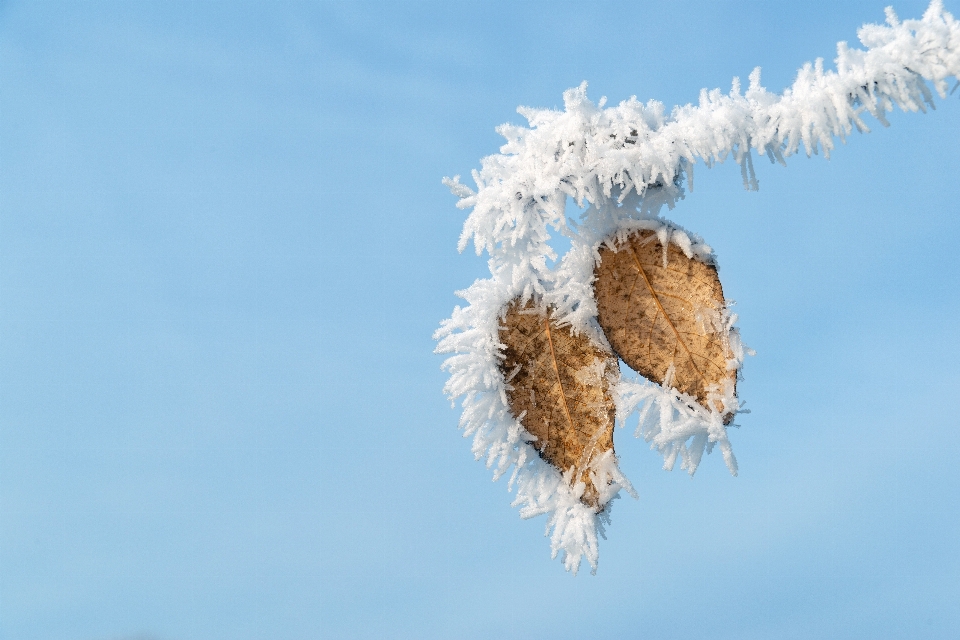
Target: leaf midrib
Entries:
(663, 312)
(556, 369)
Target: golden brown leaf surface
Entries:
(558, 384)
(657, 317)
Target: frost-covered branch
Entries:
(589, 152)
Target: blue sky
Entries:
(224, 247)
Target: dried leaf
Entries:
(558, 385)
(661, 312)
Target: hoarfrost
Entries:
(624, 164)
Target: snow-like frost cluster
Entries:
(624, 164)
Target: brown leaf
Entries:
(558, 385)
(658, 314)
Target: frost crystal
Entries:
(624, 164)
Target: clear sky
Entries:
(224, 247)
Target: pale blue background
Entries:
(224, 247)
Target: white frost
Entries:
(625, 164)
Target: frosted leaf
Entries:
(663, 315)
(559, 390)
